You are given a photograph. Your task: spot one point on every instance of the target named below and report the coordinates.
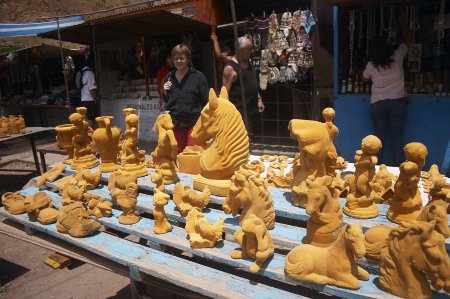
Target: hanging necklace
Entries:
(440, 27)
(360, 31)
(351, 29)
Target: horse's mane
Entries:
(257, 184)
(231, 142)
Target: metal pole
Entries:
(144, 58)
(62, 63)
(94, 44)
(236, 47)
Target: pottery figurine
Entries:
(39, 207)
(438, 194)
(407, 202)
(21, 122)
(221, 123)
(334, 265)
(414, 253)
(165, 154)
(75, 221)
(430, 176)
(157, 179)
(98, 207)
(162, 225)
(256, 166)
(250, 193)
(5, 130)
(106, 138)
(50, 175)
(127, 201)
(189, 162)
(380, 183)
(64, 135)
(186, 198)
(132, 159)
(71, 192)
(13, 202)
(341, 163)
(202, 234)
(118, 180)
(82, 155)
(87, 178)
(255, 241)
(14, 124)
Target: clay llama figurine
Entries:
(162, 225)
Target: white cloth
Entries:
(88, 82)
(389, 82)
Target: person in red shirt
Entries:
(160, 76)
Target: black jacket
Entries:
(186, 99)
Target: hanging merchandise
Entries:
(305, 59)
(283, 74)
(263, 29)
(307, 20)
(256, 42)
(274, 75)
(303, 40)
(369, 30)
(286, 23)
(440, 27)
(292, 59)
(69, 67)
(273, 25)
(264, 69)
(351, 29)
(297, 20)
(292, 40)
(279, 43)
(273, 58)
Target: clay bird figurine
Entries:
(202, 234)
(98, 206)
(186, 198)
(87, 178)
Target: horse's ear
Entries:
(429, 228)
(213, 102)
(223, 93)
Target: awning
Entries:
(131, 25)
(9, 30)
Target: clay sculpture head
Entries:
(157, 179)
(13, 202)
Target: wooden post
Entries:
(62, 62)
(144, 58)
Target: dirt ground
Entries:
(23, 273)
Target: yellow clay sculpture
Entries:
(165, 154)
(21, 122)
(157, 179)
(250, 193)
(323, 207)
(87, 178)
(374, 239)
(380, 183)
(414, 253)
(255, 241)
(132, 159)
(256, 166)
(82, 155)
(64, 135)
(75, 221)
(162, 225)
(328, 115)
(72, 193)
(39, 207)
(50, 175)
(359, 201)
(313, 141)
(127, 200)
(186, 198)
(119, 180)
(407, 201)
(189, 160)
(221, 130)
(202, 234)
(106, 138)
(98, 207)
(13, 202)
(5, 130)
(83, 112)
(334, 265)
(438, 194)
(341, 163)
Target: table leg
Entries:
(33, 148)
(43, 164)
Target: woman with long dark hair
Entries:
(388, 100)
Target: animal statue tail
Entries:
(294, 265)
(374, 240)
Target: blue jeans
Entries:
(390, 114)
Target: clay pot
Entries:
(64, 140)
(189, 162)
(107, 138)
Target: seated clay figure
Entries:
(50, 175)
(334, 265)
(380, 183)
(413, 254)
(202, 234)
(127, 201)
(13, 202)
(98, 206)
(162, 225)
(39, 207)
(71, 192)
(407, 202)
(359, 201)
(438, 194)
(75, 221)
(132, 159)
(157, 179)
(250, 193)
(87, 178)
(255, 241)
(186, 198)
(323, 207)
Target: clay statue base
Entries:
(361, 207)
(108, 166)
(217, 187)
(88, 161)
(129, 219)
(398, 218)
(138, 170)
(189, 162)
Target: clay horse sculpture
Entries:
(221, 130)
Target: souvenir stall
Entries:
(427, 72)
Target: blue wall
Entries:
(427, 121)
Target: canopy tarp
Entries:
(9, 30)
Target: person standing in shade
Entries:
(388, 100)
(232, 82)
(85, 81)
(185, 92)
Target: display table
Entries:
(31, 132)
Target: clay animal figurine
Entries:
(407, 202)
(50, 175)
(87, 178)
(186, 198)
(13, 202)
(165, 154)
(380, 183)
(414, 253)
(21, 122)
(98, 207)
(132, 159)
(71, 192)
(119, 180)
(39, 207)
(359, 201)
(162, 225)
(255, 241)
(430, 176)
(323, 207)
(221, 123)
(202, 234)
(341, 163)
(75, 221)
(4, 127)
(250, 193)
(61, 183)
(157, 179)
(82, 155)
(127, 201)
(313, 141)
(438, 194)
(334, 265)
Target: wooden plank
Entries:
(178, 271)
